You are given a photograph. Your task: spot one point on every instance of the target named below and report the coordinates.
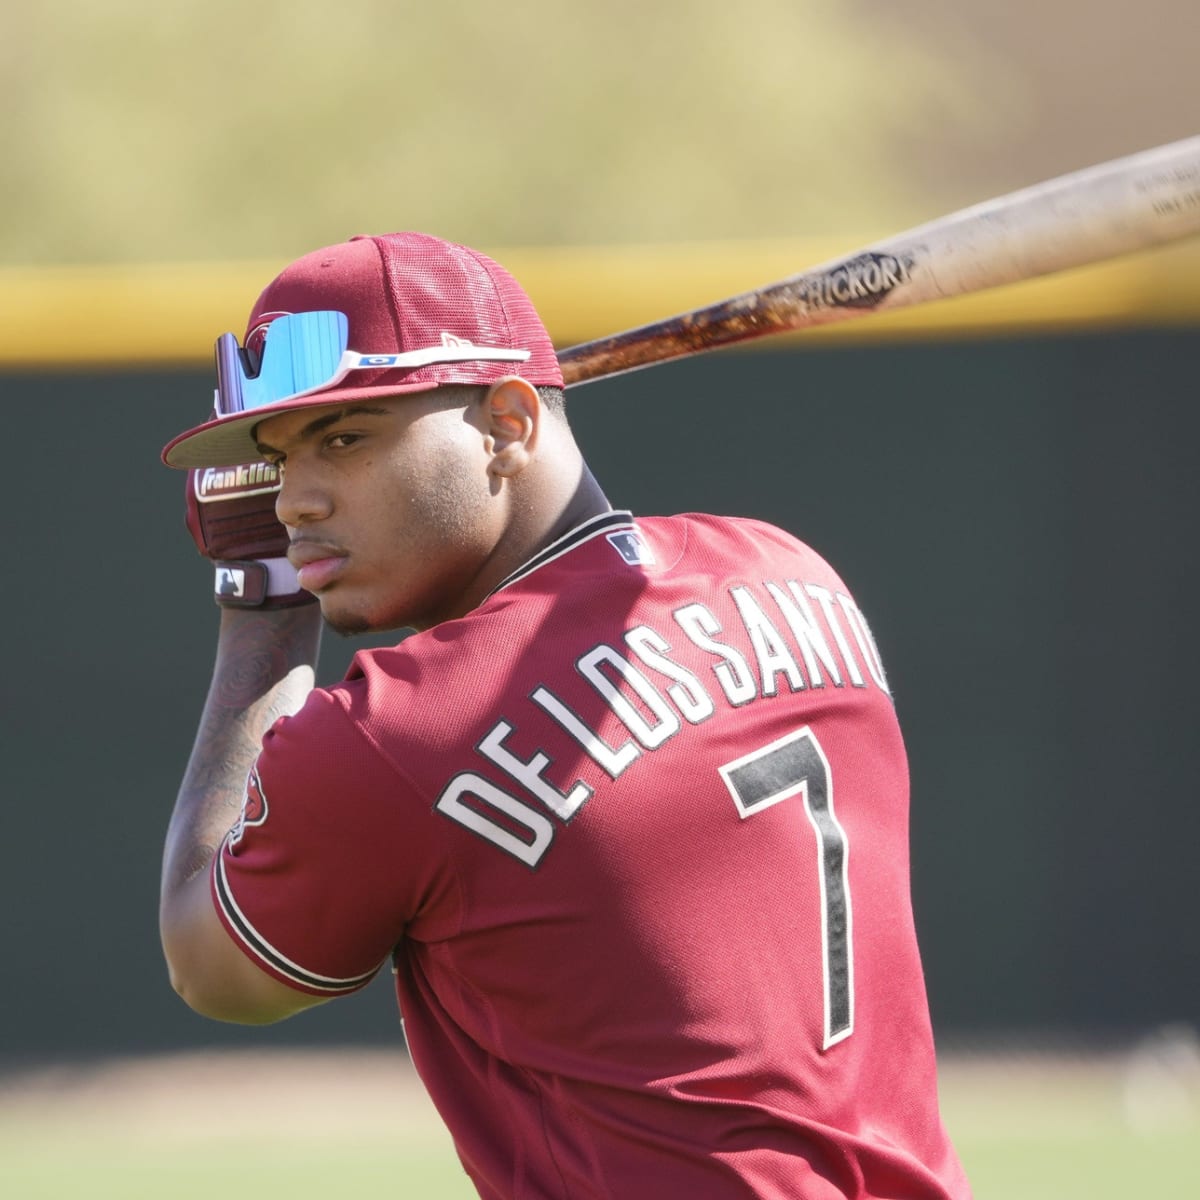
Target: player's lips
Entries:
(317, 563)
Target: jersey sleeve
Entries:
(331, 858)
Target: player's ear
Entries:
(512, 410)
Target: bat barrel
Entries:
(1099, 213)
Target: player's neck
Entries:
(585, 502)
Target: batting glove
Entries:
(231, 517)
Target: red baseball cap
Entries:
(400, 292)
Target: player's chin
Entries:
(341, 614)
(353, 620)
(348, 626)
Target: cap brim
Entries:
(229, 441)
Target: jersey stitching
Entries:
(547, 1136)
(417, 791)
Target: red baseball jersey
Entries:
(633, 835)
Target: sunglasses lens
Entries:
(301, 353)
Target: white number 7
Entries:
(796, 765)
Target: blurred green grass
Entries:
(1037, 1127)
(232, 1170)
(244, 1127)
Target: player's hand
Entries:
(231, 517)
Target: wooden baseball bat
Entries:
(1104, 211)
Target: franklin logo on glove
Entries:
(222, 483)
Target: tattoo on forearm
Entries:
(252, 687)
(256, 654)
(194, 861)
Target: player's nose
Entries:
(301, 499)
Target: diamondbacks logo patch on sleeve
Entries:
(254, 810)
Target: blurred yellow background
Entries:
(213, 131)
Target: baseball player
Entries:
(625, 815)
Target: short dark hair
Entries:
(554, 399)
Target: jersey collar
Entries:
(593, 527)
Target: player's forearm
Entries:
(263, 671)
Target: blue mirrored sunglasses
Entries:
(307, 352)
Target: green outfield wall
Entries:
(1017, 517)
